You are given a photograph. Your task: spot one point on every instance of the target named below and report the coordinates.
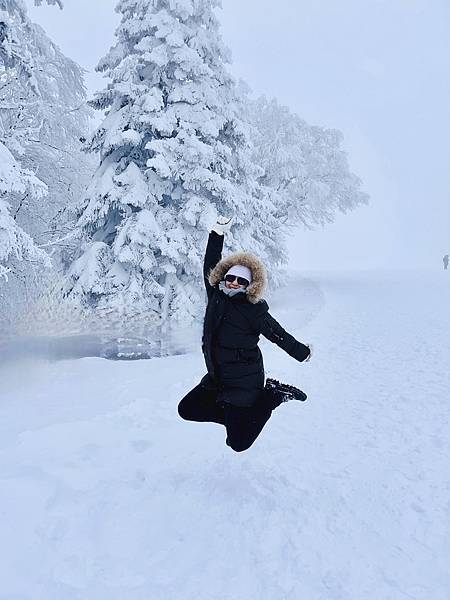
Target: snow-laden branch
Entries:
(70, 236)
(57, 2)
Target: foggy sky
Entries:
(378, 70)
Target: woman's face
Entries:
(231, 282)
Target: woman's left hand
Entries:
(310, 352)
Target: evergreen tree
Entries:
(16, 79)
(174, 151)
(42, 116)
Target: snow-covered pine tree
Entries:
(174, 151)
(305, 166)
(42, 115)
(16, 73)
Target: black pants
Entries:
(243, 424)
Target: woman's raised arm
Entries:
(213, 252)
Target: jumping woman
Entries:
(233, 392)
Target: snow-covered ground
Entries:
(105, 494)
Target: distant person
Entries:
(445, 261)
(233, 392)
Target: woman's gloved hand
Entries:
(222, 225)
(310, 352)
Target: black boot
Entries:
(282, 392)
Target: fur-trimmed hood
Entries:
(256, 289)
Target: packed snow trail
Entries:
(106, 493)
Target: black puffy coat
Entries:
(232, 328)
